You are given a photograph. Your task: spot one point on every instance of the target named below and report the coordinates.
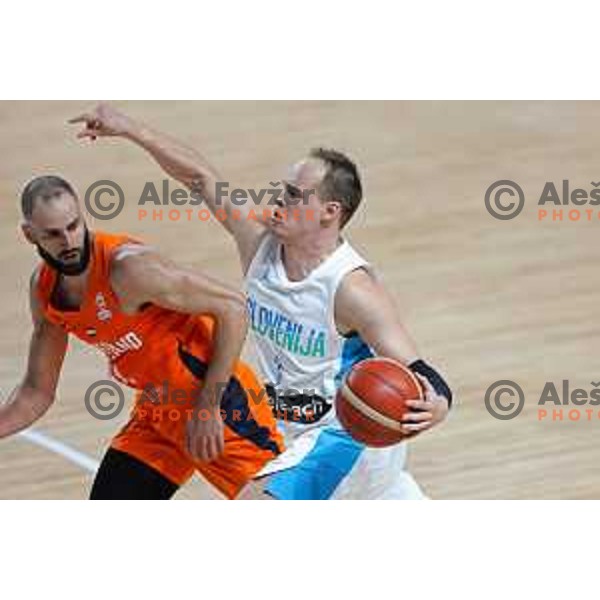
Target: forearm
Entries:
(179, 161)
(434, 377)
(25, 405)
(229, 337)
(400, 347)
(405, 352)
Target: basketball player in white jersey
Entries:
(316, 308)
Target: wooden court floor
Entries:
(486, 299)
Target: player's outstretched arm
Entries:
(182, 163)
(35, 394)
(148, 277)
(363, 305)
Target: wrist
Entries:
(207, 398)
(136, 132)
(436, 380)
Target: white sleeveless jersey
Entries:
(303, 359)
(300, 353)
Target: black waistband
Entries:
(291, 405)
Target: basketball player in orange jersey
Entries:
(316, 308)
(172, 333)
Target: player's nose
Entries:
(70, 240)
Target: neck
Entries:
(73, 282)
(69, 291)
(300, 259)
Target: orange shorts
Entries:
(156, 431)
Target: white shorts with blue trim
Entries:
(324, 462)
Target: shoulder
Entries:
(129, 263)
(358, 287)
(360, 296)
(35, 302)
(258, 251)
(35, 277)
(122, 253)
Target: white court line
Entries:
(85, 461)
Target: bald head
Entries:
(53, 222)
(43, 189)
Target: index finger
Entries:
(188, 444)
(420, 404)
(84, 117)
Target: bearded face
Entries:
(58, 231)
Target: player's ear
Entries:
(28, 232)
(333, 210)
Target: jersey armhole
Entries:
(369, 269)
(259, 255)
(130, 249)
(119, 253)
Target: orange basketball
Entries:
(371, 401)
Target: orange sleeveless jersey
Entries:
(140, 348)
(157, 346)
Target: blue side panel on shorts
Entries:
(235, 408)
(353, 350)
(320, 472)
